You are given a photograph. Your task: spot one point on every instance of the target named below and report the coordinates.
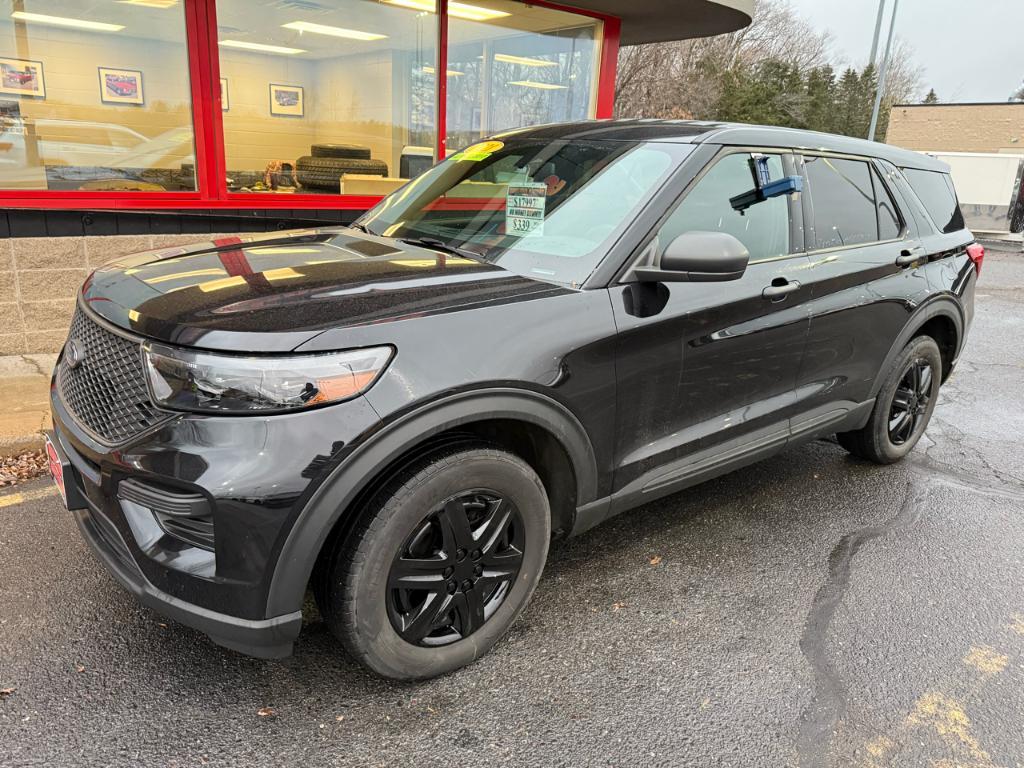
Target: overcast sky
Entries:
(971, 50)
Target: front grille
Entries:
(106, 392)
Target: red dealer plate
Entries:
(56, 469)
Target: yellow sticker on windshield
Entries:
(480, 151)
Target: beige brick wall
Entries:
(958, 127)
(40, 276)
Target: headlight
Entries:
(191, 380)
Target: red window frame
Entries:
(208, 128)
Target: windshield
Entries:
(541, 208)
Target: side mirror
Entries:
(698, 257)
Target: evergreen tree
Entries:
(848, 104)
(931, 98)
(821, 98)
(774, 92)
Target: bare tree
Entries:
(903, 82)
(682, 79)
(685, 79)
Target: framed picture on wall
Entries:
(121, 86)
(225, 101)
(21, 77)
(286, 100)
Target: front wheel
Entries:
(444, 560)
(903, 407)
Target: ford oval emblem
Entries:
(74, 353)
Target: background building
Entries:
(984, 146)
(995, 127)
(131, 124)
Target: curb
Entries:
(12, 446)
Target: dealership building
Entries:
(134, 124)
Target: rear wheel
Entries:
(445, 559)
(903, 407)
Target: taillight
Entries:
(976, 251)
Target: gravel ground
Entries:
(811, 610)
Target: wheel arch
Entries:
(532, 422)
(943, 320)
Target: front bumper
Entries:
(256, 473)
(264, 638)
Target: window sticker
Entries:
(524, 209)
(479, 152)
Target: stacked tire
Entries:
(340, 151)
(324, 167)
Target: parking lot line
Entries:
(19, 498)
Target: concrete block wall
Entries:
(40, 277)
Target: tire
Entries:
(325, 172)
(346, 151)
(887, 437)
(403, 526)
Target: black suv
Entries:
(546, 329)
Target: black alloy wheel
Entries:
(903, 406)
(443, 559)
(455, 569)
(910, 401)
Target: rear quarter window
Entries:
(936, 192)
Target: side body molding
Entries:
(333, 499)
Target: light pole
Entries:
(878, 32)
(883, 71)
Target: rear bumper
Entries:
(264, 638)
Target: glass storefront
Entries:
(527, 66)
(95, 96)
(237, 101)
(317, 91)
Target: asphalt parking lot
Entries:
(811, 610)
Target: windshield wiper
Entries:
(440, 245)
(360, 227)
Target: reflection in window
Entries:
(526, 66)
(575, 198)
(763, 228)
(843, 200)
(889, 226)
(94, 96)
(328, 96)
(936, 191)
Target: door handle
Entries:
(909, 256)
(778, 291)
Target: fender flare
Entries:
(333, 499)
(940, 306)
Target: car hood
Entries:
(273, 293)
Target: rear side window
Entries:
(763, 228)
(936, 192)
(842, 200)
(889, 225)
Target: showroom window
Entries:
(328, 97)
(511, 65)
(95, 96)
(248, 103)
